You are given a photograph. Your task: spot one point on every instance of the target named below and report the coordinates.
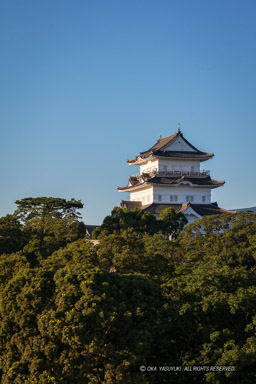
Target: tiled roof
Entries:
(206, 181)
(208, 209)
(160, 144)
(171, 180)
(130, 204)
(184, 155)
(158, 150)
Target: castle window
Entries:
(159, 197)
(203, 199)
(174, 198)
(189, 198)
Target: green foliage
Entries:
(172, 222)
(10, 264)
(39, 207)
(75, 312)
(230, 238)
(128, 252)
(40, 226)
(11, 238)
(214, 291)
(67, 321)
(123, 219)
(46, 235)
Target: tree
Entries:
(172, 222)
(48, 235)
(11, 235)
(213, 291)
(48, 224)
(40, 207)
(62, 323)
(124, 219)
(93, 314)
(145, 255)
(142, 222)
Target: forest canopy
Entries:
(72, 312)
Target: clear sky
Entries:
(86, 85)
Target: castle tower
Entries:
(170, 175)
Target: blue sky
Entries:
(86, 85)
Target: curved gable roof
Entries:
(159, 149)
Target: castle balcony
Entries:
(156, 172)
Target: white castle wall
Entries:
(149, 166)
(144, 195)
(162, 195)
(181, 194)
(178, 165)
(170, 165)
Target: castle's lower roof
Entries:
(155, 208)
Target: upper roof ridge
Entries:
(159, 148)
(161, 143)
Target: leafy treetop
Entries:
(122, 219)
(39, 207)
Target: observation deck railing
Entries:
(156, 172)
